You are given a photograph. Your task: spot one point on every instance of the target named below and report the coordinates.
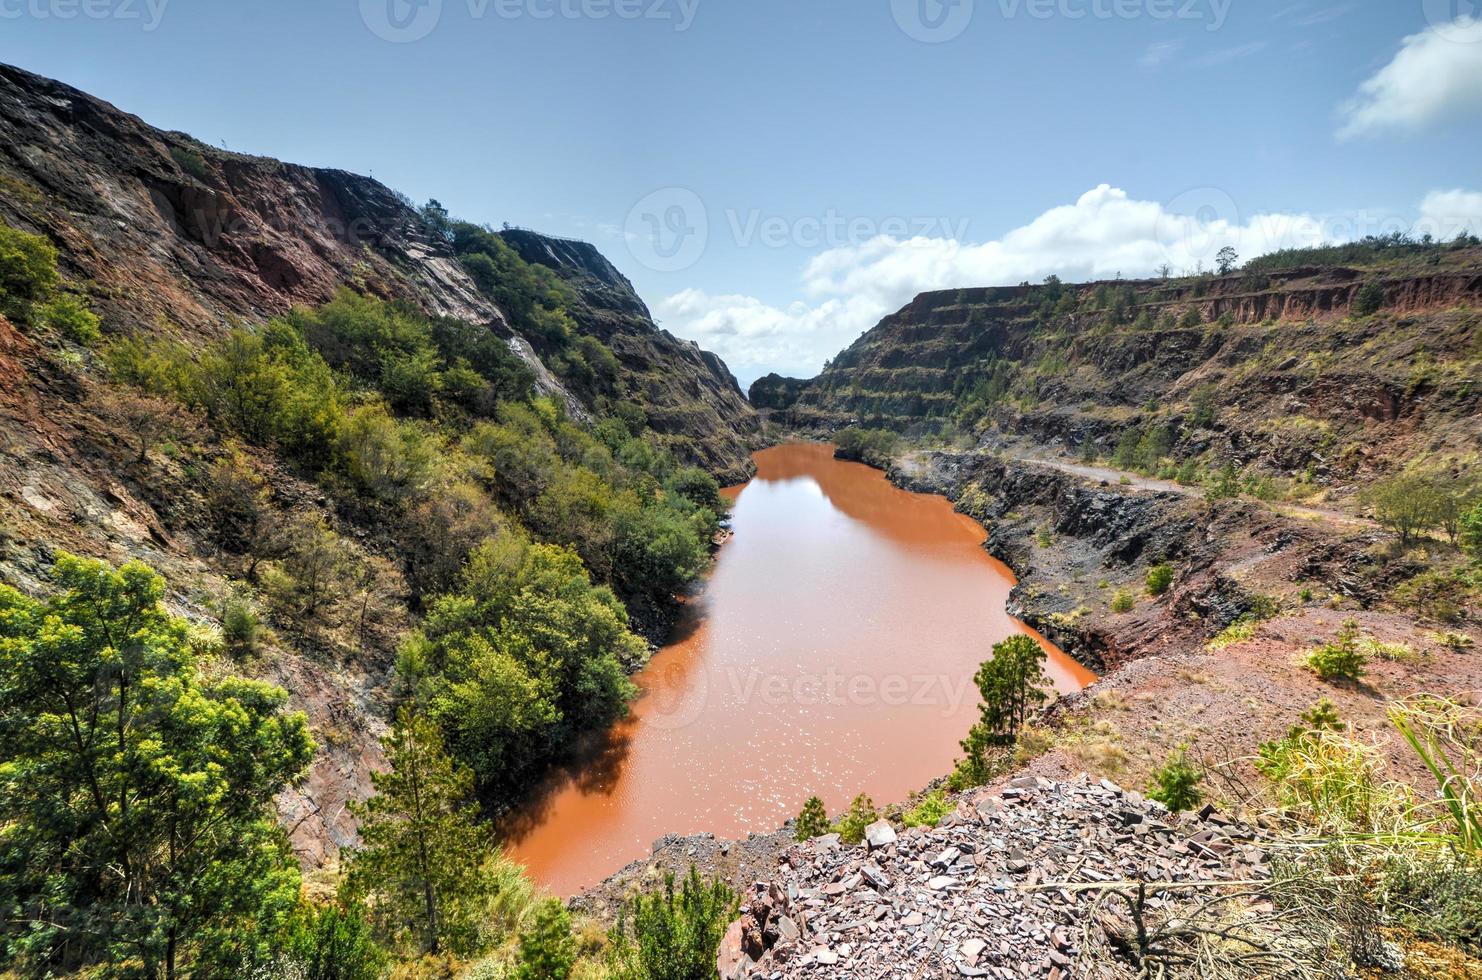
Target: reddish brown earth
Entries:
(831, 653)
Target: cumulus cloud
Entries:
(1105, 233)
(1435, 77)
(1446, 214)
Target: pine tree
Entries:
(1012, 685)
(547, 948)
(425, 865)
(813, 821)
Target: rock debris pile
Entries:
(1004, 888)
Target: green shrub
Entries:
(1159, 578)
(851, 825)
(813, 821)
(547, 947)
(669, 935)
(1340, 659)
(1471, 532)
(191, 161)
(1176, 785)
(70, 317)
(332, 943)
(1437, 595)
(239, 628)
(1369, 298)
(1123, 601)
(928, 811)
(28, 273)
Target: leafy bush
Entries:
(1369, 298)
(876, 447)
(1340, 659)
(72, 319)
(523, 656)
(666, 935)
(813, 821)
(28, 273)
(1159, 578)
(90, 721)
(1176, 784)
(1123, 601)
(239, 628)
(332, 943)
(1437, 595)
(928, 811)
(851, 825)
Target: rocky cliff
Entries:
(1285, 370)
(173, 235)
(688, 394)
(165, 237)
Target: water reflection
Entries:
(832, 652)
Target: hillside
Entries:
(300, 408)
(1286, 371)
(175, 236)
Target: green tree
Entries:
(547, 947)
(1470, 534)
(669, 935)
(1226, 259)
(852, 822)
(1406, 504)
(1176, 785)
(425, 865)
(136, 830)
(1012, 684)
(813, 821)
(1341, 658)
(1369, 298)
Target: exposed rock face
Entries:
(1007, 886)
(173, 234)
(776, 393)
(687, 393)
(162, 226)
(1292, 380)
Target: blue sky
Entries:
(775, 175)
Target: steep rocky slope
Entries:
(173, 235)
(1280, 370)
(687, 393)
(165, 237)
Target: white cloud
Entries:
(1224, 56)
(1105, 233)
(1435, 77)
(1159, 53)
(1446, 214)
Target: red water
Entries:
(831, 653)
